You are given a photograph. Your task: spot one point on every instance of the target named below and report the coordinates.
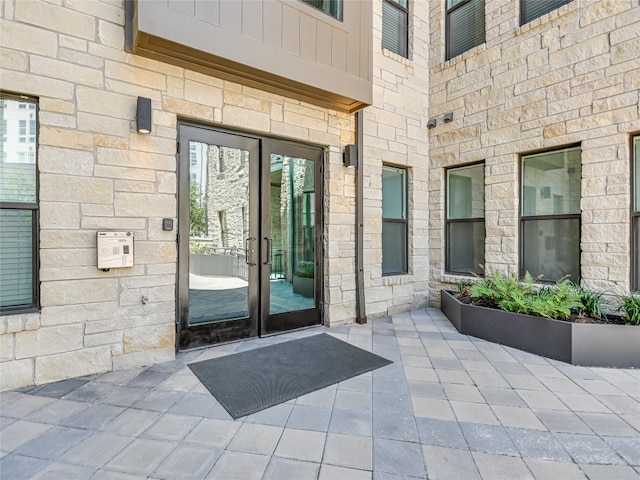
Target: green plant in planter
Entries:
(305, 270)
(590, 302)
(631, 308)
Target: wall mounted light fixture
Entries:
(350, 156)
(431, 123)
(448, 117)
(143, 115)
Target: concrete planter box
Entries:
(303, 286)
(588, 344)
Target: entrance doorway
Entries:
(249, 226)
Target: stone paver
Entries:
(449, 407)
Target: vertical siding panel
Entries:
(364, 33)
(252, 19)
(209, 11)
(231, 15)
(323, 44)
(272, 23)
(183, 6)
(308, 37)
(290, 29)
(339, 50)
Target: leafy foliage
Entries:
(590, 302)
(631, 308)
(197, 213)
(511, 295)
(305, 270)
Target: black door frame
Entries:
(259, 322)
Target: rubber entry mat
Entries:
(250, 381)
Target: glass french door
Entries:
(248, 249)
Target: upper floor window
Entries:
(330, 7)
(465, 229)
(550, 214)
(635, 283)
(532, 9)
(395, 26)
(394, 220)
(464, 26)
(18, 209)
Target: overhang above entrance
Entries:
(287, 48)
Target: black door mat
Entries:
(250, 381)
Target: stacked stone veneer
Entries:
(569, 77)
(97, 173)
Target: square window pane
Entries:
(394, 247)
(465, 192)
(551, 182)
(466, 27)
(551, 248)
(16, 258)
(533, 9)
(394, 193)
(465, 241)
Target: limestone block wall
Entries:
(395, 133)
(568, 77)
(97, 173)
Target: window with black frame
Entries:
(532, 9)
(394, 220)
(465, 26)
(635, 214)
(18, 205)
(550, 215)
(465, 227)
(330, 7)
(395, 26)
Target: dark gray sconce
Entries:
(448, 117)
(143, 115)
(432, 123)
(350, 156)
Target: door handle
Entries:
(248, 251)
(269, 245)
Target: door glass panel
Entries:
(218, 233)
(291, 245)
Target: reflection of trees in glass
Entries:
(17, 185)
(197, 213)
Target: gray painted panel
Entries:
(252, 19)
(209, 11)
(308, 36)
(272, 23)
(596, 345)
(339, 50)
(231, 15)
(183, 6)
(291, 30)
(323, 44)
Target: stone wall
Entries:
(569, 77)
(97, 173)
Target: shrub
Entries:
(590, 302)
(631, 308)
(305, 269)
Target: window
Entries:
(18, 211)
(395, 26)
(532, 9)
(635, 247)
(394, 220)
(465, 26)
(550, 215)
(465, 230)
(330, 7)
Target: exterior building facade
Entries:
(511, 147)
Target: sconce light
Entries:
(432, 123)
(143, 115)
(350, 156)
(448, 117)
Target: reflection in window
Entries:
(550, 214)
(635, 283)
(330, 7)
(19, 207)
(394, 220)
(465, 229)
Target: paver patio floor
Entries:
(449, 407)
